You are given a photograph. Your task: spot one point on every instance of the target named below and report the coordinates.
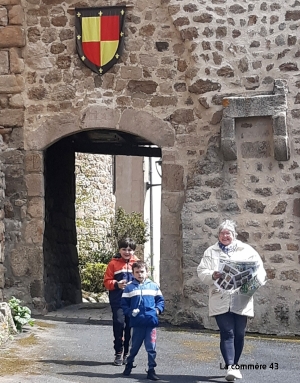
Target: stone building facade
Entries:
(214, 84)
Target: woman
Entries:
(226, 303)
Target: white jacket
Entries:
(223, 301)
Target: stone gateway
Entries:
(214, 84)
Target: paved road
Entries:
(75, 345)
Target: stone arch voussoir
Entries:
(144, 124)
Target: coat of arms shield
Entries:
(99, 36)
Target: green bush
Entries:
(21, 314)
(95, 256)
(92, 276)
(129, 225)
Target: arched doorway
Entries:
(61, 273)
(56, 139)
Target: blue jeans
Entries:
(148, 336)
(121, 331)
(232, 334)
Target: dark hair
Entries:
(126, 242)
(139, 265)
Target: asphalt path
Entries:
(79, 350)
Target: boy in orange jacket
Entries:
(118, 274)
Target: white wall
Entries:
(129, 183)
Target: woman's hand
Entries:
(216, 275)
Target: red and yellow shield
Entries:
(99, 36)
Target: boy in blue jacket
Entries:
(142, 301)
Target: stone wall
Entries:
(2, 227)
(239, 49)
(184, 63)
(95, 201)
(12, 84)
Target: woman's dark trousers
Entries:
(232, 334)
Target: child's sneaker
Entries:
(125, 358)
(152, 375)
(128, 368)
(118, 360)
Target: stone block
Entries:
(171, 223)
(203, 86)
(173, 179)
(161, 101)
(256, 149)
(11, 117)
(148, 126)
(14, 185)
(50, 130)
(36, 207)
(131, 73)
(34, 231)
(16, 61)
(147, 87)
(16, 101)
(172, 288)
(34, 162)
(11, 84)
(229, 149)
(7, 326)
(255, 206)
(182, 116)
(19, 263)
(9, 2)
(12, 36)
(3, 17)
(281, 148)
(227, 129)
(16, 15)
(279, 124)
(35, 185)
(94, 114)
(280, 86)
(254, 106)
(4, 63)
(13, 157)
(189, 140)
(149, 60)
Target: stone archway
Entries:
(160, 133)
(52, 129)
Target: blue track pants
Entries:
(148, 336)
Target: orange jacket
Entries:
(117, 269)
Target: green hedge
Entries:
(92, 276)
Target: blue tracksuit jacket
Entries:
(147, 297)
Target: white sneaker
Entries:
(232, 374)
(238, 374)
